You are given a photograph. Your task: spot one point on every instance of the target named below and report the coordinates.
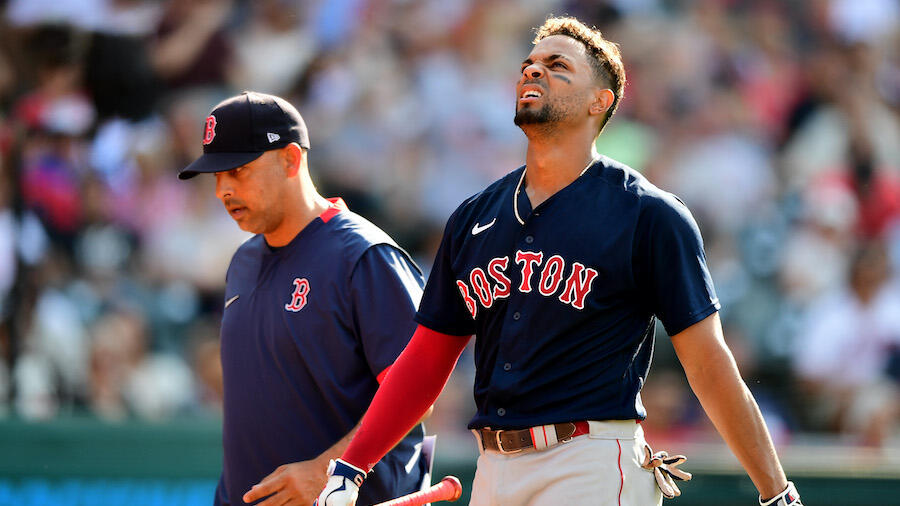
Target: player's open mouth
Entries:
(237, 212)
(530, 94)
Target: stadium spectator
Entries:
(777, 122)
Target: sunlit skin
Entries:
(562, 123)
(272, 195)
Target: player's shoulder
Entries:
(627, 180)
(650, 198)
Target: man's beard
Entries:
(548, 113)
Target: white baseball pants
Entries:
(602, 468)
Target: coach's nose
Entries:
(224, 188)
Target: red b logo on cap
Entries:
(210, 133)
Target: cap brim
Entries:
(217, 162)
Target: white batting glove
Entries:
(665, 470)
(788, 497)
(343, 485)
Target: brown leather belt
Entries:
(514, 441)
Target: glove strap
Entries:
(340, 468)
(788, 497)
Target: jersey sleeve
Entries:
(442, 308)
(670, 267)
(385, 289)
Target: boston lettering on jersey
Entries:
(563, 297)
(485, 287)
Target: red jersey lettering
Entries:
(528, 259)
(551, 275)
(481, 286)
(578, 285)
(470, 302)
(504, 285)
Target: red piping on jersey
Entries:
(337, 205)
(621, 474)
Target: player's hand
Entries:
(343, 484)
(290, 484)
(788, 497)
(665, 470)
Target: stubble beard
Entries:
(546, 114)
(550, 115)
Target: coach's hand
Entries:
(290, 484)
(343, 484)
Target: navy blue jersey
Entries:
(307, 329)
(563, 298)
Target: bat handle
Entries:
(449, 489)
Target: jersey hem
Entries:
(482, 423)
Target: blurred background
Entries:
(776, 122)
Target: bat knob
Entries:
(457, 486)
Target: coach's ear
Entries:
(603, 100)
(294, 157)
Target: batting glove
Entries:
(343, 485)
(665, 470)
(788, 497)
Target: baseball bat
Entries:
(449, 489)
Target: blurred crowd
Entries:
(776, 122)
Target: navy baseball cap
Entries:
(240, 129)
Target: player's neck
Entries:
(552, 165)
(301, 209)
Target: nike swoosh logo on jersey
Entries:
(479, 229)
(229, 301)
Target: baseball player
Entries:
(318, 305)
(560, 269)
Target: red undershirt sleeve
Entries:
(414, 383)
(382, 374)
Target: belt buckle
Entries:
(500, 445)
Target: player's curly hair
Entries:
(605, 57)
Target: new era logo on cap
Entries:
(240, 129)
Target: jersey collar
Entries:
(526, 204)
